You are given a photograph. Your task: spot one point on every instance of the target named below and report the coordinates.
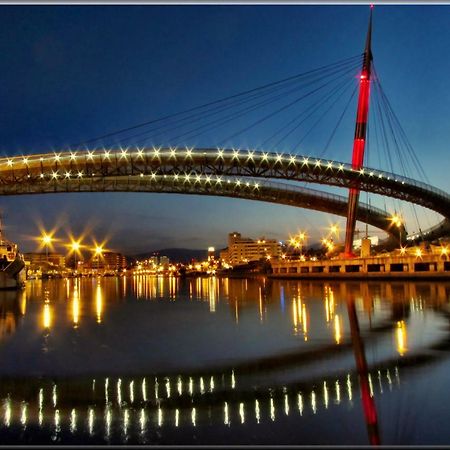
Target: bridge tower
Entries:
(360, 138)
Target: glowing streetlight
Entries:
(75, 247)
(328, 244)
(398, 222)
(298, 240)
(98, 251)
(46, 240)
(334, 229)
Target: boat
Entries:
(12, 264)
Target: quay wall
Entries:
(374, 267)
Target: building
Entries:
(164, 261)
(36, 261)
(243, 250)
(109, 261)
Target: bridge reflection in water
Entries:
(318, 376)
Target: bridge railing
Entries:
(293, 158)
(326, 195)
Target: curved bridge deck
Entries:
(211, 172)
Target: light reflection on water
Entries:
(114, 360)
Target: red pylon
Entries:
(359, 141)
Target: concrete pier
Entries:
(380, 266)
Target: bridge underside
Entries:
(278, 193)
(211, 172)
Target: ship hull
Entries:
(13, 276)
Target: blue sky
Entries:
(70, 73)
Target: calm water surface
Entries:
(152, 360)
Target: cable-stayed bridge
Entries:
(270, 175)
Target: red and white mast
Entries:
(359, 141)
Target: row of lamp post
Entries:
(74, 246)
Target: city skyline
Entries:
(76, 72)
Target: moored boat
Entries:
(12, 264)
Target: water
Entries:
(152, 360)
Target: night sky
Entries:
(71, 73)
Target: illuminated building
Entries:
(39, 260)
(164, 261)
(109, 261)
(153, 260)
(211, 254)
(242, 250)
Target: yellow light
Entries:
(99, 303)
(76, 307)
(337, 329)
(401, 337)
(334, 229)
(47, 317)
(98, 250)
(396, 220)
(46, 239)
(419, 253)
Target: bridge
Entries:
(249, 174)
(221, 172)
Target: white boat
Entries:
(12, 264)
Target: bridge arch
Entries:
(192, 166)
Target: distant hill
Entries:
(183, 255)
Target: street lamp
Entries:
(301, 240)
(398, 222)
(334, 229)
(46, 240)
(98, 253)
(75, 246)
